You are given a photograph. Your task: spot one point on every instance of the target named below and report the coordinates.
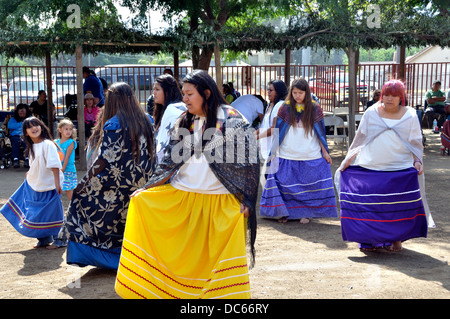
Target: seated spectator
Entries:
(39, 108)
(227, 93)
(91, 112)
(435, 108)
(375, 98)
(234, 92)
(15, 134)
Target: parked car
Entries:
(24, 90)
(334, 86)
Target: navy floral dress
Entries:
(97, 213)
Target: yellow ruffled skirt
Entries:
(184, 245)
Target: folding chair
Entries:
(337, 122)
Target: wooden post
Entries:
(287, 67)
(401, 68)
(176, 65)
(80, 106)
(219, 79)
(50, 106)
(353, 102)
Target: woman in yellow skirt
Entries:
(185, 236)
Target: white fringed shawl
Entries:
(407, 129)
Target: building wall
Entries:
(435, 54)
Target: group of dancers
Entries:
(163, 204)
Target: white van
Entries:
(65, 83)
(24, 90)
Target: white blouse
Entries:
(195, 175)
(40, 176)
(298, 146)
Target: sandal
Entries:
(282, 220)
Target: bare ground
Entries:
(293, 261)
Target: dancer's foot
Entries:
(372, 249)
(304, 221)
(396, 246)
(282, 220)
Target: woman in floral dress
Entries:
(97, 213)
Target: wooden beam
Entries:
(86, 43)
(287, 67)
(50, 106)
(176, 65)
(402, 68)
(80, 106)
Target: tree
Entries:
(34, 28)
(204, 19)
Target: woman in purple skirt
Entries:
(382, 201)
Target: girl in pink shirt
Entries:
(91, 112)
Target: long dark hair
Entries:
(45, 134)
(308, 113)
(19, 107)
(202, 82)
(172, 94)
(281, 89)
(121, 102)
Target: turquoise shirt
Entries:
(64, 146)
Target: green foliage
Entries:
(236, 25)
(44, 24)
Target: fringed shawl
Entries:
(231, 152)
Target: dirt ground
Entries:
(293, 261)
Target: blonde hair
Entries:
(64, 122)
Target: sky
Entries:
(156, 21)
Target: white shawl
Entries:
(171, 114)
(407, 129)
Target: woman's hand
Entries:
(245, 210)
(137, 192)
(348, 163)
(419, 167)
(327, 157)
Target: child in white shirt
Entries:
(35, 209)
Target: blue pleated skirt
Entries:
(299, 189)
(34, 214)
